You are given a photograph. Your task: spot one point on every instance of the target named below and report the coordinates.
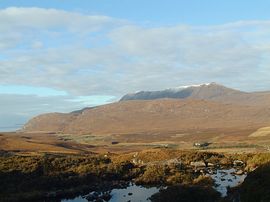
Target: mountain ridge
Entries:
(209, 106)
(181, 92)
(209, 91)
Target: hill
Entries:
(209, 91)
(160, 115)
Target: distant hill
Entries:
(209, 91)
(153, 116)
(190, 108)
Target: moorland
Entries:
(175, 139)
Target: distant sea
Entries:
(10, 128)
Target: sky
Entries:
(60, 56)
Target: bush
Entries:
(154, 174)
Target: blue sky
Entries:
(160, 12)
(65, 55)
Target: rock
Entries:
(90, 197)
(174, 161)
(202, 171)
(130, 193)
(106, 197)
(51, 194)
(239, 172)
(223, 172)
(196, 171)
(135, 155)
(134, 161)
(216, 185)
(238, 163)
(93, 196)
(198, 164)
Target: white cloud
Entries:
(39, 18)
(90, 55)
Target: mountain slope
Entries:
(194, 108)
(151, 116)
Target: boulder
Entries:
(238, 163)
(198, 164)
(239, 172)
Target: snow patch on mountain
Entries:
(189, 86)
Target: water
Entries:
(9, 129)
(139, 194)
(226, 178)
(223, 178)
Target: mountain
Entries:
(194, 108)
(202, 91)
(209, 91)
(132, 117)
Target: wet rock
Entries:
(93, 196)
(106, 197)
(216, 185)
(90, 198)
(223, 172)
